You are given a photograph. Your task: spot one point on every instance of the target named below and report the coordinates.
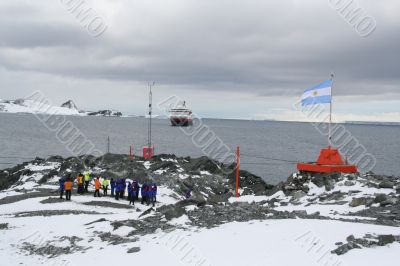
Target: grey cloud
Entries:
(22, 35)
(263, 48)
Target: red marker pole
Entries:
(237, 170)
(130, 152)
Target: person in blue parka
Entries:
(62, 187)
(188, 194)
(118, 189)
(136, 187)
(121, 185)
(123, 188)
(153, 191)
(143, 192)
(112, 184)
(131, 194)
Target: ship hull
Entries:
(181, 121)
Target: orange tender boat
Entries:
(329, 161)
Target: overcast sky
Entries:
(227, 58)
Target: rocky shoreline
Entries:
(356, 198)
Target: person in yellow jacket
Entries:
(87, 180)
(106, 183)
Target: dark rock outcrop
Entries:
(3, 226)
(70, 105)
(368, 241)
(105, 113)
(116, 239)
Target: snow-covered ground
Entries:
(271, 242)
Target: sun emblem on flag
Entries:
(315, 93)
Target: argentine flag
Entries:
(321, 93)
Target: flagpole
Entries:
(330, 114)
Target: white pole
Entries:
(330, 114)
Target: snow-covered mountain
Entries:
(35, 107)
(316, 220)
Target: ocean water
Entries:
(23, 136)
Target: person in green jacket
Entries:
(87, 181)
(106, 183)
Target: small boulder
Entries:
(384, 240)
(345, 248)
(298, 195)
(350, 238)
(386, 184)
(380, 198)
(172, 211)
(148, 211)
(360, 201)
(349, 183)
(300, 213)
(329, 184)
(389, 201)
(3, 226)
(133, 250)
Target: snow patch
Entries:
(147, 165)
(205, 173)
(169, 160)
(42, 167)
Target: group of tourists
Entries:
(149, 193)
(118, 188)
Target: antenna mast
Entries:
(151, 85)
